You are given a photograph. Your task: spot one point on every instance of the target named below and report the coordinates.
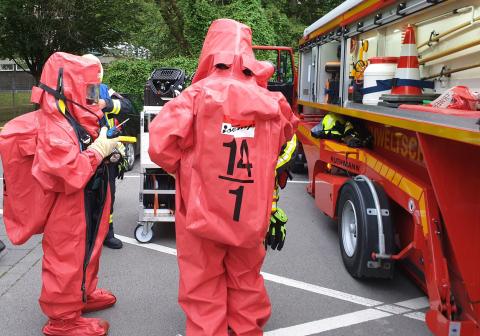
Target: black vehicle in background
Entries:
(131, 128)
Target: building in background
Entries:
(14, 78)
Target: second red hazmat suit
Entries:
(221, 137)
(69, 163)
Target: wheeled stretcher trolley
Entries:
(157, 187)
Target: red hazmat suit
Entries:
(221, 137)
(78, 220)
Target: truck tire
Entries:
(358, 231)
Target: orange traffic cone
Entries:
(407, 68)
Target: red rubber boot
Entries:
(78, 326)
(98, 300)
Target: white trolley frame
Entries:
(148, 216)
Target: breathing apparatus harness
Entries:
(85, 139)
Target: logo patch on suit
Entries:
(238, 128)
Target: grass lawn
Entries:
(9, 110)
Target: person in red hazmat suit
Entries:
(221, 138)
(69, 161)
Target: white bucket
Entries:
(379, 68)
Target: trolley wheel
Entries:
(144, 233)
(358, 232)
(130, 155)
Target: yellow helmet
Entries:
(333, 123)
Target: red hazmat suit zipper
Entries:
(91, 237)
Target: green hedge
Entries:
(130, 75)
(13, 105)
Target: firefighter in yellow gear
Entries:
(277, 231)
(114, 105)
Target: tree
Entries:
(30, 30)
(287, 30)
(152, 33)
(309, 11)
(201, 13)
(173, 17)
(177, 27)
(251, 13)
(303, 11)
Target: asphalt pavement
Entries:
(310, 290)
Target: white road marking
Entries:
(393, 309)
(321, 290)
(302, 182)
(416, 316)
(274, 278)
(134, 176)
(150, 246)
(1, 211)
(329, 323)
(415, 304)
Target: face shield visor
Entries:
(93, 94)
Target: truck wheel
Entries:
(358, 231)
(130, 155)
(351, 228)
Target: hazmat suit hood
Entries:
(74, 75)
(229, 42)
(222, 137)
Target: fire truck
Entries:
(411, 197)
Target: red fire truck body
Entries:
(413, 197)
